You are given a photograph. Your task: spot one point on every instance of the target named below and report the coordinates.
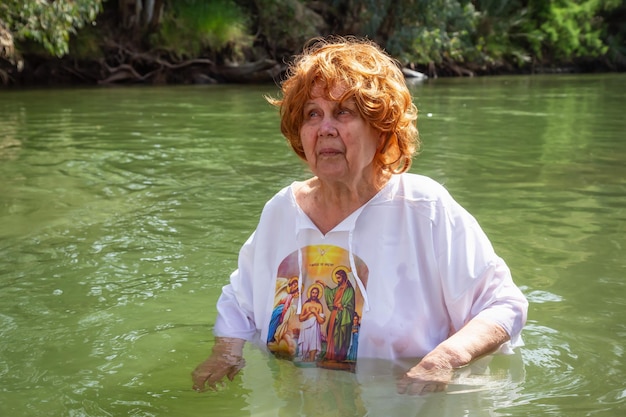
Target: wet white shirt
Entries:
(419, 264)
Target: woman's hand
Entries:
(424, 378)
(434, 372)
(226, 360)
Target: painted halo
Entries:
(340, 268)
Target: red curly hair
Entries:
(363, 72)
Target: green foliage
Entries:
(444, 33)
(192, 26)
(453, 33)
(286, 25)
(87, 45)
(614, 14)
(48, 23)
(502, 33)
(567, 29)
(485, 32)
(421, 31)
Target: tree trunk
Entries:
(141, 14)
(148, 12)
(157, 14)
(387, 26)
(130, 10)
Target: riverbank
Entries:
(188, 42)
(145, 69)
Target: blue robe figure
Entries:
(354, 341)
(275, 321)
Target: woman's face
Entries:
(339, 145)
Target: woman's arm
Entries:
(433, 373)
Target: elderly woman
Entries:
(390, 247)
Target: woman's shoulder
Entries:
(420, 187)
(278, 208)
(420, 194)
(288, 196)
(430, 198)
(284, 196)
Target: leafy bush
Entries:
(48, 23)
(566, 29)
(193, 26)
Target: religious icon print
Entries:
(316, 316)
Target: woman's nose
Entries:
(327, 127)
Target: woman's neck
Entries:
(328, 203)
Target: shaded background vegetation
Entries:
(204, 41)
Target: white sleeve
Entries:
(476, 282)
(235, 316)
(499, 300)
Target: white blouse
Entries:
(419, 267)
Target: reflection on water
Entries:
(122, 211)
(274, 387)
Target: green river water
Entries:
(122, 211)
